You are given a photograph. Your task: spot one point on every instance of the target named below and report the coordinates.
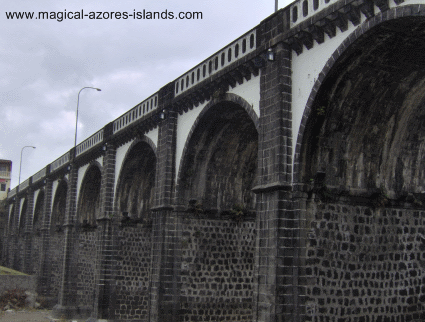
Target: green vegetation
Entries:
(9, 271)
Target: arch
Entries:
(23, 217)
(349, 52)
(11, 217)
(89, 197)
(57, 218)
(38, 211)
(230, 121)
(136, 181)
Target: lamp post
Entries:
(20, 163)
(76, 119)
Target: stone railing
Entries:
(12, 193)
(24, 184)
(137, 112)
(220, 60)
(89, 143)
(39, 175)
(303, 9)
(60, 162)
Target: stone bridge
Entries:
(281, 179)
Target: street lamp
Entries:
(20, 163)
(76, 119)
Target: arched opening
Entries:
(366, 127)
(23, 217)
(219, 166)
(11, 218)
(59, 207)
(38, 213)
(134, 200)
(89, 207)
(362, 163)
(135, 192)
(89, 201)
(217, 174)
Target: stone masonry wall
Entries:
(35, 253)
(86, 278)
(133, 274)
(217, 270)
(56, 261)
(365, 264)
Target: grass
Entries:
(9, 271)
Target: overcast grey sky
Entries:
(44, 63)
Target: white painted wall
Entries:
(54, 188)
(81, 172)
(250, 92)
(184, 125)
(119, 160)
(10, 212)
(35, 199)
(153, 135)
(21, 204)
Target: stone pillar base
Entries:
(71, 312)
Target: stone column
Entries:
(28, 232)
(106, 256)
(11, 239)
(68, 305)
(276, 295)
(14, 247)
(164, 280)
(43, 281)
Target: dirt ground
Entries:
(27, 316)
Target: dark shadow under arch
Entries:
(219, 161)
(57, 218)
(136, 183)
(365, 104)
(89, 197)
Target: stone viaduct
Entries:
(281, 179)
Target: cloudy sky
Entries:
(44, 63)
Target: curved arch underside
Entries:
(38, 212)
(23, 217)
(89, 205)
(366, 129)
(59, 206)
(135, 194)
(220, 163)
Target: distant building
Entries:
(5, 176)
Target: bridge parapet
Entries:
(303, 9)
(59, 162)
(136, 113)
(12, 193)
(39, 175)
(216, 62)
(89, 143)
(24, 184)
